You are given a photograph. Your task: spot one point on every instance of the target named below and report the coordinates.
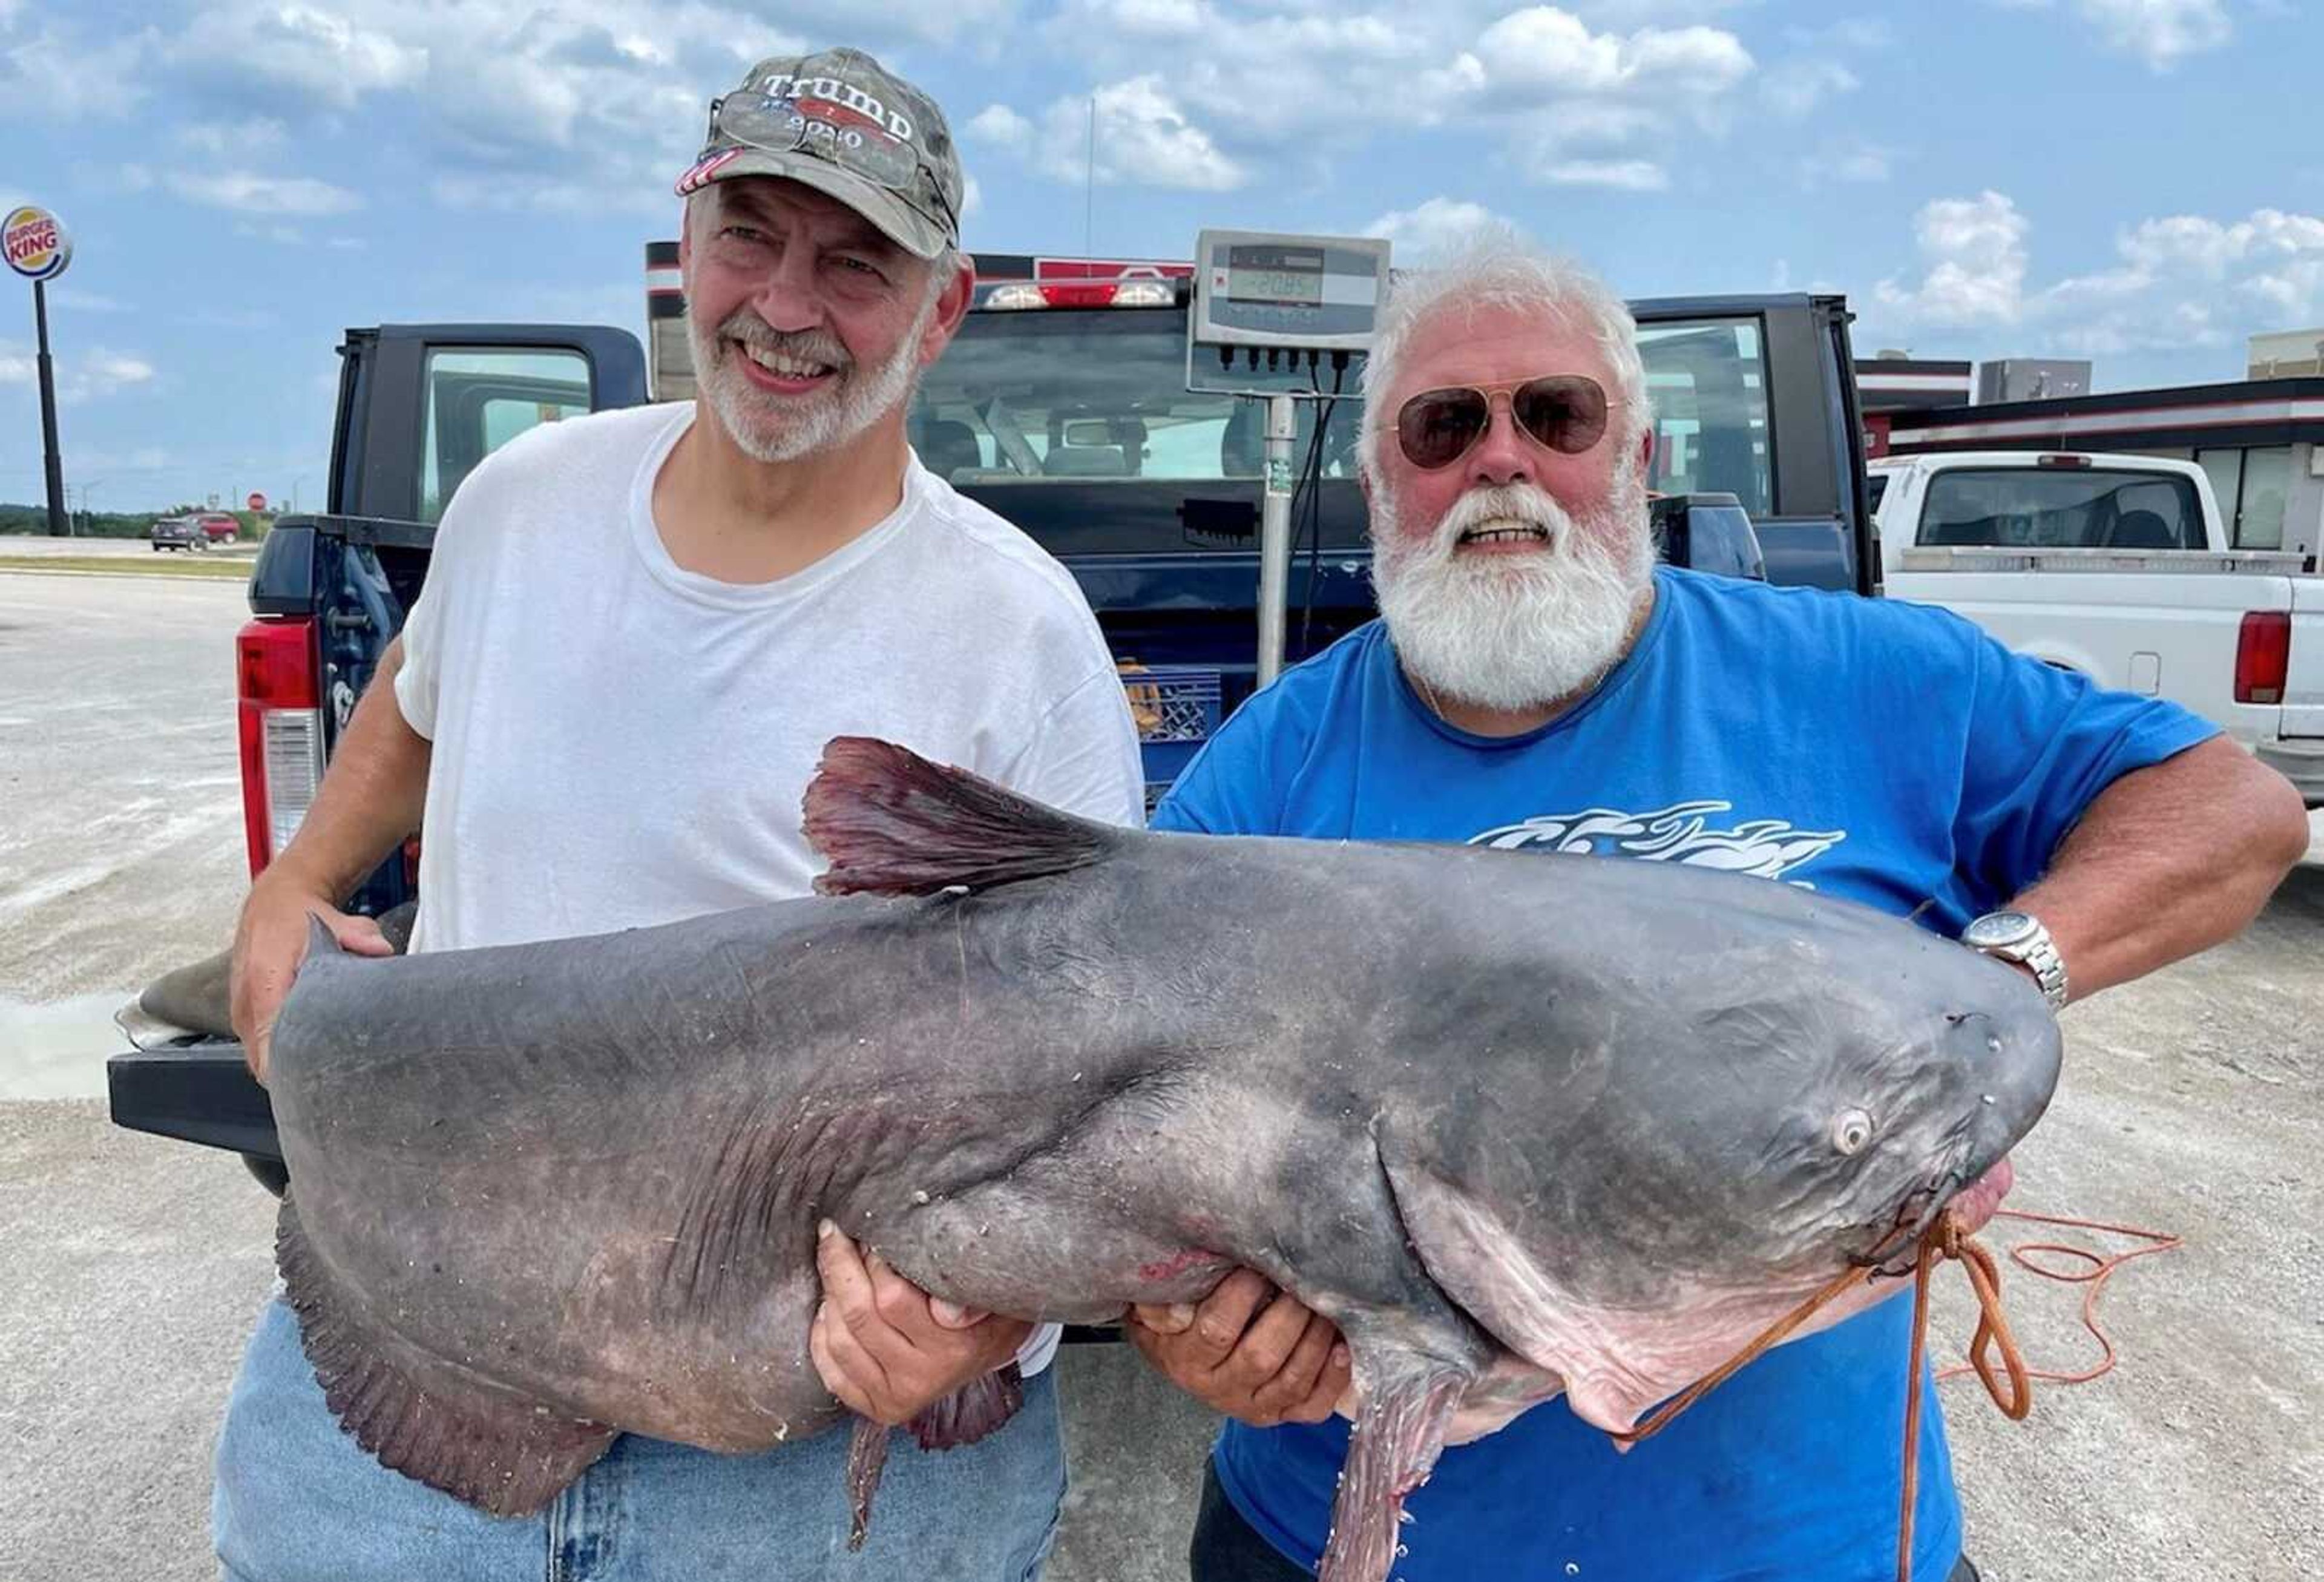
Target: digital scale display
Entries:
(1271, 274)
(1275, 292)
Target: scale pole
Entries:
(59, 525)
(1275, 535)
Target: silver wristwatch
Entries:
(2013, 936)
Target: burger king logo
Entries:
(34, 243)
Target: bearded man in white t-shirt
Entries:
(638, 631)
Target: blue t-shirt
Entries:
(1885, 751)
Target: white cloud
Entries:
(333, 57)
(1640, 12)
(76, 77)
(2161, 30)
(1976, 252)
(1142, 138)
(100, 373)
(1157, 19)
(1847, 161)
(1553, 86)
(1431, 227)
(96, 372)
(76, 300)
(1002, 128)
(282, 235)
(972, 198)
(507, 90)
(233, 139)
(1624, 175)
(1542, 50)
(246, 192)
(2162, 33)
(631, 186)
(10, 10)
(1793, 88)
(2180, 281)
(86, 460)
(1861, 33)
(2211, 247)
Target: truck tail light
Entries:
(2263, 656)
(279, 704)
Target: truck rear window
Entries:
(1022, 397)
(1033, 396)
(2024, 508)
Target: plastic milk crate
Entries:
(1176, 709)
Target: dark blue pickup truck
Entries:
(1071, 421)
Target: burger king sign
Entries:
(35, 243)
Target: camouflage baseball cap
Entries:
(840, 123)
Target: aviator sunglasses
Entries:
(1565, 412)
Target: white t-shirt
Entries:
(620, 743)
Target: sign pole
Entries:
(35, 245)
(59, 524)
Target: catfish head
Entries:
(1677, 1152)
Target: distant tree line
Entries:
(113, 524)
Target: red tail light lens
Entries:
(2263, 657)
(280, 726)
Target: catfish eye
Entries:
(1851, 1129)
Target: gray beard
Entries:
(768, 428)
(1512, 636)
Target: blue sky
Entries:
(2135, 181)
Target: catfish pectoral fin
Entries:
(491, 1447)
(971, 1411)
(961, 1418)
(1409, 1403)
(867, 1454)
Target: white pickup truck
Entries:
(2117, 567)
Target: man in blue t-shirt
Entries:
(1537, 682)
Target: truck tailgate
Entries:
(2297, 750)
(199, 1092)
(2303, 683)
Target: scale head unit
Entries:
(1301, 293)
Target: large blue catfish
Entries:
(1518, 1124)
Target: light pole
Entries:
(301, 478)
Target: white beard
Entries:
(1515, 632)
(769, 427)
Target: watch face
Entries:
(1999, 928)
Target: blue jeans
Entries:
(298, 1500)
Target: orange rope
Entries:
(2100, 1270)
(1944, 1241)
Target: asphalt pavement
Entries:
(2193, 1103)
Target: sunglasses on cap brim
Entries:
(855, 144)
(1563, 412)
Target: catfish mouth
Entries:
(1894, 1253)
(1955, 1188)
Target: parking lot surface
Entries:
(2193, 1103)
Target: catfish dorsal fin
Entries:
(891, 823)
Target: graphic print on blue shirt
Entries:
(1885, 752)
